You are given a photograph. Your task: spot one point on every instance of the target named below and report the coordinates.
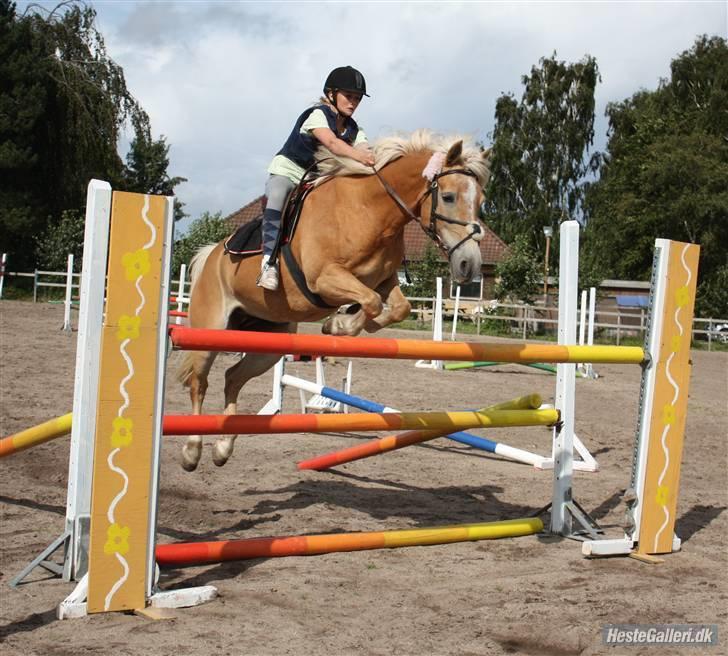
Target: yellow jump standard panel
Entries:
(122, 470)
(669, 401)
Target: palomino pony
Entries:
(349, 244)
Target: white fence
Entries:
(523, 319)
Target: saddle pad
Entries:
(246, 240)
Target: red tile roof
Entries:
(492, 247)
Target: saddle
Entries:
(247, 240)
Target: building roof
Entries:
(492, 247)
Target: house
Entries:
(492, 248)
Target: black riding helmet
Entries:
(346, 78)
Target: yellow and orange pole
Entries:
(45, 432)
(400, 349)
(308, 545)
(393, 442)
(305, 423)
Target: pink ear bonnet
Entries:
(434, 166)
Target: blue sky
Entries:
(224, 81)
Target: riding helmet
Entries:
(346, 78)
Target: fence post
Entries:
(35, 285)
(619, 325)
(3, 261)
(710, 333)
(455, 314)
(181, 291)
(69, 294)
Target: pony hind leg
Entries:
(250, 366)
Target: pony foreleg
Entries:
(199, 364)
(250, 366)
(397, 307)
(337, 284)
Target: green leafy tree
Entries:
(61, 237)
(63, 105)
(664, 174)
(519, 274)
(207, 229)
(540, 148)
(146, 169)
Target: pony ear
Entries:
(487, 155)
(453, 155)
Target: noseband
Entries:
(435, 216)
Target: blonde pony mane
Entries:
(388, 149)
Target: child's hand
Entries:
(366, 157)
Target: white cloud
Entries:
(224, 81)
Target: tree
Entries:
(540, 148)
(664, 173)
(207, 229)
(63, 105)
(146, 169)
(519, 274)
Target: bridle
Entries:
(431, 229)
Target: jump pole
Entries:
(393, 442)
(195, 339)
(454, 366)
(360, 403)
(45, 432)
(308, 423)
(196, 553)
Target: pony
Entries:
(347, 247)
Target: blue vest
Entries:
(300, 147)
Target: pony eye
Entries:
(448, 197)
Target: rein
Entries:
(431, 229)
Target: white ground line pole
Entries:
(69, 295)
(181, 292)
(563, 446)
(3, 262)
(455, 314)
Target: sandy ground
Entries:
(530, 595)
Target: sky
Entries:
(225, 81)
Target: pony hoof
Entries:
(188, 465)
(221, 454)
(191, 458)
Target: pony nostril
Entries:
(465, 269)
